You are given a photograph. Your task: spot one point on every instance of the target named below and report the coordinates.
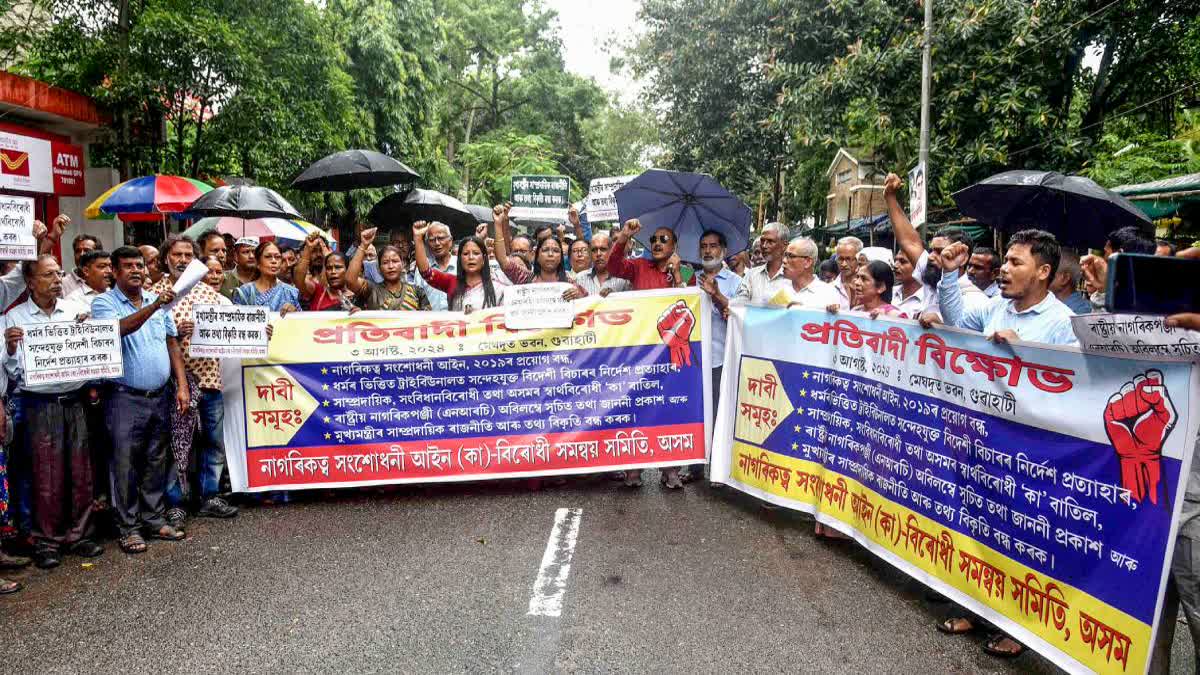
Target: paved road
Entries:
(439, 580)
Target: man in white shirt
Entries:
(81, 245)
(984, 270)
(95, 270)
(847, 250)
(763, 282)
(927, 265)
(909, 294)
(804, 289)
(55, 424)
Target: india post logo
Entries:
(14, 163)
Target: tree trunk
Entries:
(1092, 124)
(466, 185)
(123, 25)
(196, 146)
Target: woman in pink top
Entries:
(872, 283)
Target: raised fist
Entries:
(632, 227)
(367, 237)
(1138, 420)
(892, 185)
(955, 256)
(675, 328)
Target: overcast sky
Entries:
(587, 28)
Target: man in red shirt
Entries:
(660, 271)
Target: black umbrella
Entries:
(243, 201)
(1073, 208)
(352, 170)
(402, 209)
(483, 214)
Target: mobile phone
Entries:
(1148, 284)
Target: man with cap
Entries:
(244, 266)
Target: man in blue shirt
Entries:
(139, 410)
(1026, 309)
(721, 284)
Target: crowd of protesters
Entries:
(138, 456)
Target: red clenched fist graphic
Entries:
(675, 328)
(1138, 420)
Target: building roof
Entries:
(1188, 183)
(38, 101)
(851, 154)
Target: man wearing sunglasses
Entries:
(660, 271)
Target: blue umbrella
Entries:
(688, 204)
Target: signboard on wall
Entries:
(33, 164)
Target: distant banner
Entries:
(16, 229)
(425, 397)
(545, 198)
(1038, 487)
(226, 331)
(1136, 336)
(602, 198)
(72, 351)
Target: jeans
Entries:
(210, 444)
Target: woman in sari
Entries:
(472, 287)
(395, 293)
(267, 290)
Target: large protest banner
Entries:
(436, 396)
(1038, 487)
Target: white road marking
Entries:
(551, 583)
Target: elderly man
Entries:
(983, 269)
(765, 281)
(139, 410)
(95, 268)
(1065, 286)
(177, 253)
(56, 429)
(804, 289)
(927, 265)
(660, 271)
(154, 271)
(81, 245)
(440, 245)
(721, 284)
(597, 280)
(245, 266)
(847, 260)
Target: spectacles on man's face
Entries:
(795, 256)
(660, 239)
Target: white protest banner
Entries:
(16, 229)
(916, 195)
(538, 306)
(541, 197)
(229, 331)
(72, 351)
(192, 274)
(1134, 335)
(602, 198)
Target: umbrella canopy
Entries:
(1073, 208)
(402, 209)
(243, 201)
(147, 198)
(352, 170)
(688, 204)
(263, 228)
(483, 214)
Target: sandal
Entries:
(633, 479)
(168, 533)
(9, 587)
(964, 626)
(992, 647)
(132, 543)
(13, 562)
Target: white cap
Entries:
(252, 242)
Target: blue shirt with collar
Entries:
(144, 351)
(727, 283)
(1078, 303)
(1048, 322)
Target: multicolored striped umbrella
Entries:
(147, 198)
(263, 228)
